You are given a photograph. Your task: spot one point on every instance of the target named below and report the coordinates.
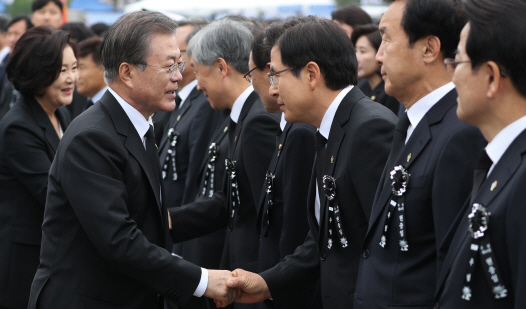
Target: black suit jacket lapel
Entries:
(41, 118)
(176, 117)
(418, 141)
(244, 112)
(272, 168)
(489, 190)
(334, 142)
(133, 141)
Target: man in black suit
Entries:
(484, 267)
(428, 174)
(251, 135)
(182, 150)
(314, 83)
(105, 229)
(282, 220)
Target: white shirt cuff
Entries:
(201, 288)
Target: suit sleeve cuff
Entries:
(201, 288)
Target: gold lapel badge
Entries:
(332, 159)
(178, 117)
(226, 129)
(408, 157)
(493, 185)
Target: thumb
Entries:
(236, 282)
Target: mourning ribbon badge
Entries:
(335, 222)
(172, 138)
(234, 191)
(213, 151)
(400, 179)
(269, 192)
(480, 249)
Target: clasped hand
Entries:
(240, 286)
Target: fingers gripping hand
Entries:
(252, 287)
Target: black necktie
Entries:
(178, 101)
(399, 137)
(278, 137)
(481, 171)
(231, 133)
(153, 155)
(320, 156)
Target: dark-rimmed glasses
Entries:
(248, 76)
(451, 65)
(172, 69)
(271, 75)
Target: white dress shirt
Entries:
(325, 129)
(3, 52)
(416, 112)
(238, 104)
(502, 141)
(185, 92)
(142, 126)
(99, 95)
(283, 122)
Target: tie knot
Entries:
(178, 100)
(484, 162)
(150, 134)
(403, 124)
(320, 140)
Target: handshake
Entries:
(240, 286)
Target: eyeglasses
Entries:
(172, 69)
(271, 75)
(248, 76)
(451, 65)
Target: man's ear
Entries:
(495, 79)
(313, 73)
(127, 72)
(431, 48)
(222, 66)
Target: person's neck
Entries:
(506, 111)
(236, 89)
(425, 86)
(122, 91)
(322, 100)
(374, 80)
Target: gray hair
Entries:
(224, 38)
(129, 40)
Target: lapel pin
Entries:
(493, 185)
(235, 139)
(408, 157)
(373, 97)
(226, 129)
(178, 117)
(332, 159)
(156, 146)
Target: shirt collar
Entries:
(185, 92)
(4, 53)
(99, 95)
(326, 122)
(283, 122)
(416, 112)
(139, 122)
(500, 143)
(238, 104)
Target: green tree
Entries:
(19, 7)
(340, 3)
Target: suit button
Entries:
(323, 257)
(365, 253)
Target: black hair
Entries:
(260, 55)
(4, 21)
(325, 43)
(100, 29)
(441, 18)
(79, 31)
(371, 32)
(38, 4)
(352, 15)
(91, 47)
(496, 34)
(36, 60)
(18, 18)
